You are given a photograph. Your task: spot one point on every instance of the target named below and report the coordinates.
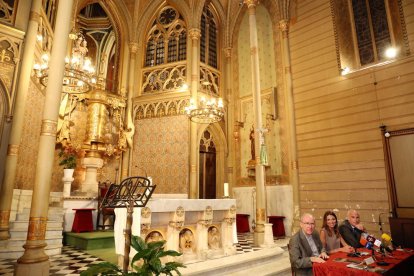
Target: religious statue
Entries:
(64, 132)
(252, 147)
(213, 238)
(187, 241)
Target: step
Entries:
(90, 240)
(13, 242)
(15, 252)
(22, 233)
(54, 214)
(23, 224)
(238, 264)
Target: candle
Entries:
(226, 189)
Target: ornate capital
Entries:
(284, 27)
(37, 229)
(13, 149)
(194, 33)
(251, 3)
(227, 52)
(133, 47)
(295, 165)
(48, 128)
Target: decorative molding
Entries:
(37, 228)
(13, 150)
(194, 33)
(48, 128)
(4, 219)
(160, 109)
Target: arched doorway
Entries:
(207, 165)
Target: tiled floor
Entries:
(73, 261)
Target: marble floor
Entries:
(73, 261)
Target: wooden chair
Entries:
(104, 213)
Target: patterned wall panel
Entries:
(161, 149)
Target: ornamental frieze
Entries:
(160, 109)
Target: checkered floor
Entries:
(73, 261)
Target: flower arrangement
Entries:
(68, 157)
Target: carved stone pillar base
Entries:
(258, 238)
(90, 185)
(34, 269)
(268, 241)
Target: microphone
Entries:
(387, 238)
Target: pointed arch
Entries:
(220, 143)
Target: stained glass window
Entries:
(208, 40)
(167, 39)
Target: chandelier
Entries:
(79, 74)
(208, 111)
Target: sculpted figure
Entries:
(213, 238)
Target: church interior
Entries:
(217, 114)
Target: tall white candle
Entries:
(226, 189)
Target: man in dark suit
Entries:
(305, 247)
(351, 229)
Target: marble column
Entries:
(195, 36)
(34, 260)
(126, 157)
(258, 126)
(6, 194)
(293, 168)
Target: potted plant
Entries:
(148, 256)
(68, 157)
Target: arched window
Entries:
(167, 38)
(208, 40)
(367, 31)
(165, 54)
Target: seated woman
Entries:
(330, 237)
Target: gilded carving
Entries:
(34, 16)
(37, 228)
(227, 52)
(160, 109)
(13, 149)
(295, 165)
(250, 3)
(133, 47)
(4, 218)
(194, 33)
(48, 128)
(164, 79)
(260, 214)
(146, 212)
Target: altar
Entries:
(201, 229)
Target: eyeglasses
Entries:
(309, 223)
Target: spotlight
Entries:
(391, 52)
(387, 134)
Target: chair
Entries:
(104, 212)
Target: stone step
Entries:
(15, 252)
(239, 264)
(22, 234)
(16, 242)
(22, 225)
(52, 216)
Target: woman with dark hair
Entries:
(330, 237)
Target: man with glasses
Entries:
(305, 247)
(351, 229)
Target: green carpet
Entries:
(106, 254)
(90, 240)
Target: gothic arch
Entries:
(220, 142)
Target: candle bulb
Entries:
(226, 189)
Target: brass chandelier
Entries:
(79, 74)
(207, 111)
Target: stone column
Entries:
(6, 194)
(195, 36)
(126, 157)
(230, 119)
(257, 108)
(34, 260)
(293, 168)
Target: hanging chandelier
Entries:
(209, 109)
(79, 74)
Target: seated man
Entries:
(305, 247)
(351, 229)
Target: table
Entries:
(83, 220)
(278, 227)
(400, 263)
(242, 223)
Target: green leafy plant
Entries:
(68, 157)
(148, 257)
